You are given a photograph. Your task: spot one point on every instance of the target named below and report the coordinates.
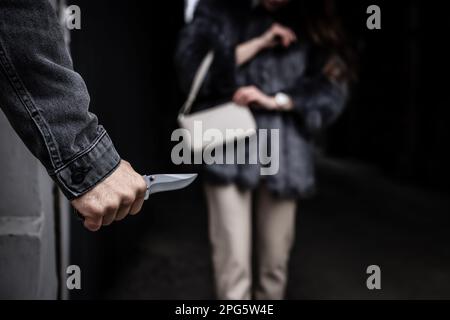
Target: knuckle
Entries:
(111, 207)
(94, 209)
(140, 181)
(142, 188)
(127, 200)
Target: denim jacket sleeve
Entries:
(47, 102)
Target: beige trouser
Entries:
(230, 231)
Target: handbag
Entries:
(229, 121)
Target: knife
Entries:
(162, 183)
(167, 182)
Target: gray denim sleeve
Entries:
(47, 102)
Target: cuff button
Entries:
(78, 175)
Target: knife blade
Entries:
(162, 183)
(167, 182)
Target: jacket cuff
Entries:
(85, 171)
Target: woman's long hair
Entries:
(317, 20)
(321, 24)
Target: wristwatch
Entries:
(282, 100)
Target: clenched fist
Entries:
(120, 194)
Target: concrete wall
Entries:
(28, 265)
(34, 220)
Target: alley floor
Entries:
(358, 218)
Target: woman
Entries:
(286, 61)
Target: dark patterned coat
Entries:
(296, 71)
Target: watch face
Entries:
(281, 99)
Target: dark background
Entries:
(383, 184)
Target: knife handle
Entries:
(148, 181)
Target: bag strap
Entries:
(200, 76)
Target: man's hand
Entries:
(120, 194)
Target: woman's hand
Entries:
(251, 95)
(278, 35)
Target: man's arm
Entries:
(47, 103)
